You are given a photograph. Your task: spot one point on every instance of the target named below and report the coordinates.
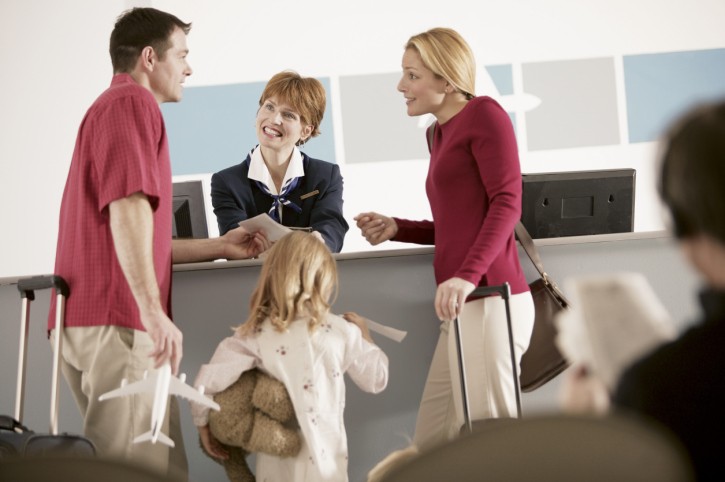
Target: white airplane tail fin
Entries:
(149, 437)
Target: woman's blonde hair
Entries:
(306, 95)
(447, 55)
(298, 279)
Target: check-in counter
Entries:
(393, 287)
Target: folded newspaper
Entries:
(614, 320)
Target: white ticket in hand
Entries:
(263, 222)
(392, 333)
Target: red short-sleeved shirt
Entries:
(121, 149)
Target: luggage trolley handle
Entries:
(27, 288)
(504, 291)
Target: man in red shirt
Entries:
(115, 245)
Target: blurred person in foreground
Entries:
(679, 383)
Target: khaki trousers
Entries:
(491, 391)
(94, 361)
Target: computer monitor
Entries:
(189, 220)
(578, 203)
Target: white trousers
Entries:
(487, 358)
(94, 361)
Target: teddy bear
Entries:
(256, 415)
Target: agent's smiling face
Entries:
(279, 126)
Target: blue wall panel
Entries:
(213, 127)
(661, 86)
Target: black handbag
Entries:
(542, 361)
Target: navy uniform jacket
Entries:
(235, 198)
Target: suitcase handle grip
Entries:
(12, 425)
(27, 286)
(504, 290)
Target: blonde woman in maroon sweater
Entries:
(474, 190)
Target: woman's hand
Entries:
(375, 227)
(450, 296)
(212, 446)
(318, 236)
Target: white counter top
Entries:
(415, 250)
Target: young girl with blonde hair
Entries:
(291, 335)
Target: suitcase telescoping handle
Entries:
(27, 288)
(504, 291)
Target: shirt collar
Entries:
(122, 78)
(258, 169)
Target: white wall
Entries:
(55, 62)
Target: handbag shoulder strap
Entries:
(431, 132)
(530, 248)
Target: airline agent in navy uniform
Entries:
(276, 177)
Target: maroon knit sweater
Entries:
(474, 190)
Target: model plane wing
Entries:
(145, 385)
(177, 387)
(161, 383)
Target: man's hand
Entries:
(167, 338)
(582, 392)
(241, 244)
(375, 227)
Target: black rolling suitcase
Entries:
(505, 291)
(16, 440)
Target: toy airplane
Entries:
(162, 384)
